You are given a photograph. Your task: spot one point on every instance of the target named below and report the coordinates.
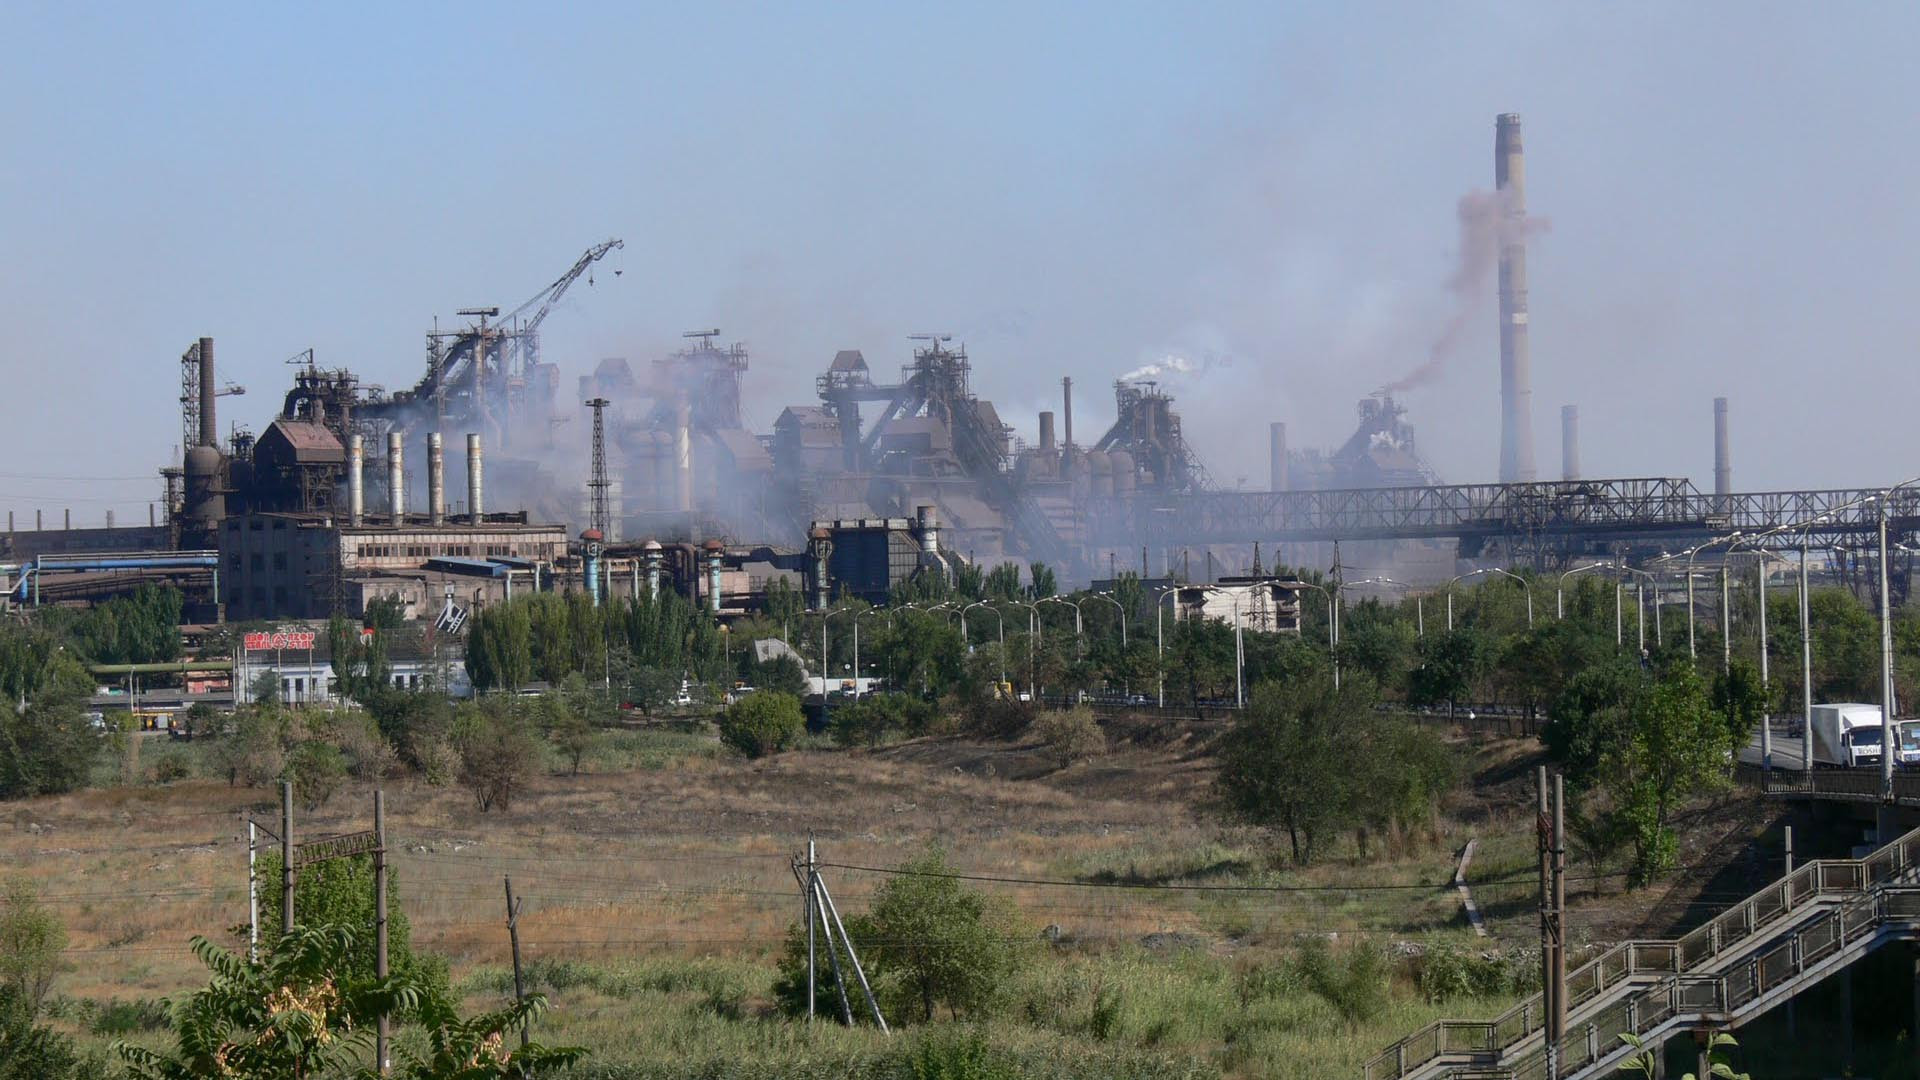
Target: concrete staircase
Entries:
(1749, 958)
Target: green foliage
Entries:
(316, 769)
(1043, 581)
(31, 943)
(497, 750)
(34, 663)
(1451, 662)
(782, 675)
(1646, 1063)
(303, 1011)
(1069, 735)
(1002, 582)
(143, 628)
(1675, 745)
(48, 748)
(1446, 971)
(251, 751)
(1354, 983)
(1306, 759)
(875, 718)
(762, 723)
(339, 892)
(31, 1052)
(1740, 700)
(937, 943)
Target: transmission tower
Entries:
(601, 517)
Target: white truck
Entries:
(1846, 735)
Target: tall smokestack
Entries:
(396, 478)
(1046, 433)
(1569, 442)
(1066, 409)
(1722, 455)
(1516, 369)
(209, 426)
(474, 487)
(356, 480)
(436, 481)
(683, 456)
(1277, 457)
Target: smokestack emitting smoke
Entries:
(356, 480)
(1570, 442)
(1277, 456)
(436, 481)
(209, 426)
(396, 478)
(1722, 455)
(474, 487)
(1516, 374)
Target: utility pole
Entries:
(513, 936)
(253, 893)
(1552, 841)
(383, 1032)
(286, 857)
(808, 914)
(600, 514)
(1559, 914)
(1544, 846)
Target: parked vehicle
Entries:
(1906, 752)
(1846, 735)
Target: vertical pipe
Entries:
(382, 1031)
(396, 478)
(1047, 444)
(1066, 411)
(683, 457)
(475, 487)
(209, 426)
(286, 857)
(1726, 618)
(1887, 704)
(1516, 375)
(809, 914)
(1570, 442)
(1806, 670)
(1277, 456)
(356, 480)
(436, 481)
(1766, 699)
(1722, 455)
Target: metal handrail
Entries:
(1817, 882)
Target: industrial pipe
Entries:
(209, 393)
(436, 481)
(397, 477)
(1516, 368)
(1570, 442)
(356, 480)
(474, 487)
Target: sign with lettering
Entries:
(279, 639)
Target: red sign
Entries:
(279, 639)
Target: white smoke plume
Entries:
(1485, 227)
(1172, 364)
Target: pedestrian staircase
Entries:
(1746, 960)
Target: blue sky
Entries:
(1072, 190)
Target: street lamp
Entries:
(1560, 587)
(1333, 626)
(1032, 618)
(883, 613)
(1490, 570)
(1160, 643)
(1887, 703)
(1693, 651)
(997, 618)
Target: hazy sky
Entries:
(1076, 189)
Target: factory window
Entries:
(280, 595)
(279, 560)
(278, 525)
(259, 595)
(233, 563)
(257, 562)
(256, 525)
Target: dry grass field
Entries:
(658, 883)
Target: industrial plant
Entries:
(897, 468)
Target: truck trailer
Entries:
(1846, 735)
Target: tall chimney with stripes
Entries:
(1516, 372)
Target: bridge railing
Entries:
(1819, 881)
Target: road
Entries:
(1786, 751)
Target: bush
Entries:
(31, 943)
(762, 723)
(316, 770)
(171, 768)
(46, 750)
(1448, 971)
(497, 750)
(1354, 984)
(250, 753)
(118, 1017)
(999, 717)
(365, 751)
(875, 718)
(1070, 734)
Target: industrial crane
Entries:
(520, 327)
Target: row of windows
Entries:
(429, 551)
(295, 688)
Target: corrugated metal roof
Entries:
(466, 566)
(310, 443)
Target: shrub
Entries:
(1354, 984)
(1448, 971)
(31, 942)
(47, 749)
(316, 770)
(497, 750)
(873, 719)
(251, 751)
(171, 768)
(365, 751)
(999, 717)
(118, 1017)
(762, 723)
(1070, 734)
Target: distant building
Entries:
(308, 565)
(1264, 604)
(297, 657)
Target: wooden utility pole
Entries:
(286, 857)
(1559, 912)
(808, 914)
(513, 936)
(1543, 842)
(382, 1032)
(253, 893)
(1551, 830)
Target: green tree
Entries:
(1676, 745)
(762, 723)
(31, 943)
(1042, 578)
(143, 628)
(1451, 663)
(253, 750)
(497, 749)
(1354, 983)
(316, 770)
(30, 1052)
(340, 892)
(47, 749)
(1274, 760)
(1003, 582)
(936, 942)
(565, 718)
(302, 1012)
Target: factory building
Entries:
(868, 557)
(1266, 604)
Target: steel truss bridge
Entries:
(1542, 522)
